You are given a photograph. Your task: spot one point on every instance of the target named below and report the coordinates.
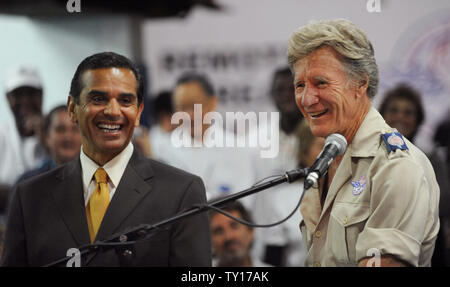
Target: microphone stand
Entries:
(123, 241)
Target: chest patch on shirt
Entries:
(394, 141)
(359, 185)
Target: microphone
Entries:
(335, 145)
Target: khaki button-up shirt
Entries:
(378, 200)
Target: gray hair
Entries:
(350, 42)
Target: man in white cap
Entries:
(21, 149)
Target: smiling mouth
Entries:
(109, 128)
(318, 114)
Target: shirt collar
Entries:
(367, 139)
(114, 168)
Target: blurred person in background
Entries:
(232, 241)
(62, 141)
(20, 147)
(159, 135)
(282, 95)
(224, 170)
(402, 109)
(61, 138)
(155, 142)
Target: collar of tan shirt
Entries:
(367, 139)
(114, 168)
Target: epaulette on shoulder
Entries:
(394, 140)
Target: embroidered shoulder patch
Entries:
(394, 140)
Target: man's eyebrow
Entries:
(103, 93)
(320, 78)
(97, 93)
(128, 95)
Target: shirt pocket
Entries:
(346, 223)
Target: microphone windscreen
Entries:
(339, 140)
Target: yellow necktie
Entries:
(98, 203)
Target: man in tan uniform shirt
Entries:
(378, 203)
(395, 211)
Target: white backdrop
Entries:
(240, 48)
(56, 47)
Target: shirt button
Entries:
(316, 264)
(345, 220)
(318, 234)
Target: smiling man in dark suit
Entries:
(110, 187)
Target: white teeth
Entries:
(318, 114)
(109, 127)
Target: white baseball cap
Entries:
(22, 76)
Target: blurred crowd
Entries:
(35, 143)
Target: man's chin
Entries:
(112, 147)
(232, 258)
(320, 132)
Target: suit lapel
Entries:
(132, 188)
(68, 196)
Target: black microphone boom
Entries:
(335, 145)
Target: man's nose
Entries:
(113, 108)
(310, 97)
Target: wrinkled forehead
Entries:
(324, 57)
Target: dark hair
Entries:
(101, 61)
(48, 118)
(203, 80)
(286, 71)
(405, 92)
(236, 206)
(162, 104)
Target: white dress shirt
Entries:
(160, 144)
(224, 170)
(114, 168)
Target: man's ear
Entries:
(71, 104)
(362, 89)
(138, 117)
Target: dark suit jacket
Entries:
(48, 216)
